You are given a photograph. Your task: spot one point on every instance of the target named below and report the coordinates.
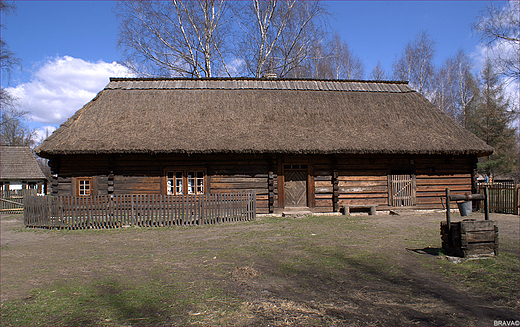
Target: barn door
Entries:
(295, 188)
(402, 190)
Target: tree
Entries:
(378, 73)
(174, 38)
(8, 58)
(489, 117)
(318, 66)
(13, 130)
(334, 60)
(345, 65)
(277, 36)
(500, 29)
(415, 63)
(455, 86)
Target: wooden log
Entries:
(466, 197)
(448, 214)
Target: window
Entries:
(84, 186)
(193, 179)
(174, 182)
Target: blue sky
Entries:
(69, 48)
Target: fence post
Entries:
(448, 213)
(516, 199)
(202, 209)
(132, 209)
(486, 203)
(253, 214)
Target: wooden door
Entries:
(402, 190)
(295, 188)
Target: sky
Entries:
(69, 49)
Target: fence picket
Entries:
(53, 211)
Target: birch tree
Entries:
(415, 63)
(455, 86)
(174, 38)
(276, 36)
(334, 60)
(500, 30)
(345, 65)
(378, 73)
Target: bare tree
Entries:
(277, 35)
(174, 38)
(334, 60)
(500, 29)
(318, 64)
(345, 64)
(415, 63)
(13, 130)
(455, 86)
(466, 85)
(378, 73)
(8, 59)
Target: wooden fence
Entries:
(11, 201)
(137, 210)
(503, 196)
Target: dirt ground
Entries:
(408, 292)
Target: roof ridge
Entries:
(257, 84)
(120, 79)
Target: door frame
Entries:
(310, 180)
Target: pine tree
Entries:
(490, 117)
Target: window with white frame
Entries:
(185, 182)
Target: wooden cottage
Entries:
(20, 171)
(314, 144)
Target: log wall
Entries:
(359, 180)
(145, 174)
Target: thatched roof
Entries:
(18, 162)
(239, 115)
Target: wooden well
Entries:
(469, 236)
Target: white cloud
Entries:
(62, 85)
(236, 66)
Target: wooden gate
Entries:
(402, 190)
(295, 188)
(11, 201)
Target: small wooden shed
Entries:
(317, 145)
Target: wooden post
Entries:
(270, 182)
(448, 214)
(516, 197)
(486, 204)
(254, 204)
(132, 209)
(335, 185)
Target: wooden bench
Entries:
(370, 207)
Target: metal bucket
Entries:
(464, 208)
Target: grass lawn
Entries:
(320, 270)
